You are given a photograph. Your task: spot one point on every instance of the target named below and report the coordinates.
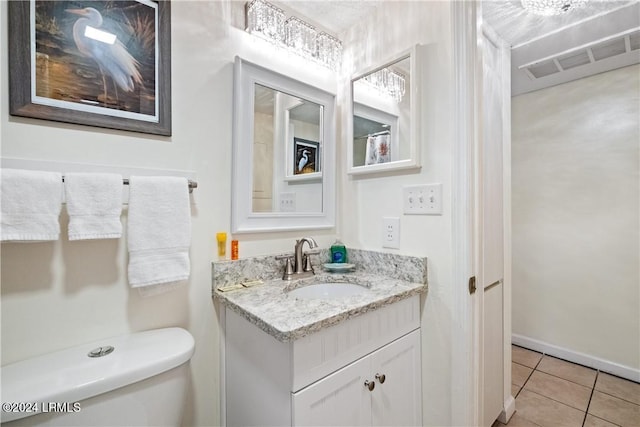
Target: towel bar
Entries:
(192, 184)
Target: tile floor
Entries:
(555, 393)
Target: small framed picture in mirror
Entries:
(306, 159)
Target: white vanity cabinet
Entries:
(319, 379)
(347, 398)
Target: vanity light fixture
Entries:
(268, 22)
(388, 82)
(329, 51)
(551, 7)
(300, 37)
(265, 21)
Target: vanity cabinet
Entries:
(319, 379)
(380, 389)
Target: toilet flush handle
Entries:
(101, 351)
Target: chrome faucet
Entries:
(301, 259)
(301, 266)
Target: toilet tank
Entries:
(142, 381)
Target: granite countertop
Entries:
(287, 318)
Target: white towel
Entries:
(378, 150)
(31, 204)
(94, 204)
(159, 232)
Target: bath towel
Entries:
(158, 233)
(378, 150)
(94, 204)
(31, 205)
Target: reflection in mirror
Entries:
(382, 115)
(283, 152)
(384, 120)
(287, 153)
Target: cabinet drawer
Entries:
(328, 350)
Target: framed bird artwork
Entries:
(306, 159)
(96, 63)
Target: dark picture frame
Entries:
(309, 151)
(68, 84)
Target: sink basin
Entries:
(328, 291)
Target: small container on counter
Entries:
(234, 249)
(222, 245)
(338, 252)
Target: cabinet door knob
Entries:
(381, 378)
(370, 385)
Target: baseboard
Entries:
(577, 357)
(508, 411)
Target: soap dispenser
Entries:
(338, 252)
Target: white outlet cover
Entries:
(391, 232)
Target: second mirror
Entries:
(384, 117)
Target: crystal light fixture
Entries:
(551, 7)
(300, 37)
(387, 82)
(266, 21)
(329, 51)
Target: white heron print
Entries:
(97, 53)
(305, 156)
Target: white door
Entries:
(396, 399)
(341, 399)
(496, 102)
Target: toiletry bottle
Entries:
(234, 249)
(222, 245)
(338, 252)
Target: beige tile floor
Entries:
(555, 393)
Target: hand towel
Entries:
(31, 205)
(94, 204)
(158, 232)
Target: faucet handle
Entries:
(307, 262)
(288, 267)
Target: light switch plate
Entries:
(391, 232)
(287, 202)
(422, 199)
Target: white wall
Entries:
(576, 234)
(65, 293)
(394, 28)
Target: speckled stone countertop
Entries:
(271, 308)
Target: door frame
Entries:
(467, 337)
(466, 382)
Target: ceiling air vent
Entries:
(634, 41)
(609, 47)
(543, 69)
(574, 59)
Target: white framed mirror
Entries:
(385, 111)
(283, 152)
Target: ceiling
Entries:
(334, 16)
(516, 26)
(551, 50)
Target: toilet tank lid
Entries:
(70, 375)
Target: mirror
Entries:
(283, 152)
(384, 126)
